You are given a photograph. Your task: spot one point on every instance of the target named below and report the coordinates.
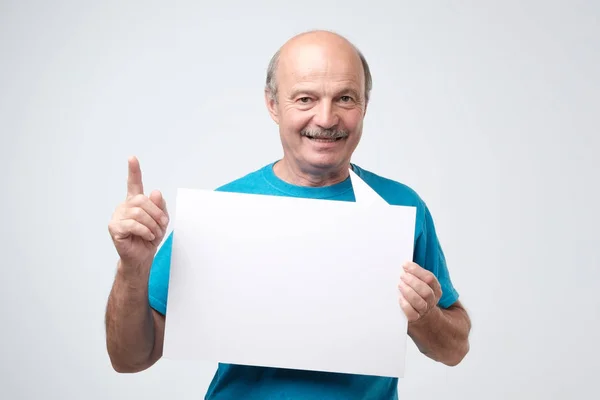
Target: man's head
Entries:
(317, 90)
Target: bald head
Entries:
(314, 50)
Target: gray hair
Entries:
(271, 83)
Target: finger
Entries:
(421, 288)
(423, 274)
(409, 311)
(165, 209)
(157, 198)
(140, 215)
(156, 242)
(128, 227)
(134, 178)
(437, 289)
(416, 302)
(151, 208)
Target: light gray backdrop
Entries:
(488, 109)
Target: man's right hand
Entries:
(139, 224)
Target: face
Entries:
(320, 107)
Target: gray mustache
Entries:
(324, 133)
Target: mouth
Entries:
(324, 140)
(325, 136)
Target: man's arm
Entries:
(134, 331)
(441, 334)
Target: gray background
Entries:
(488, 109)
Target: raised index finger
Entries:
(134, 179)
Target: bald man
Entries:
(317, 92)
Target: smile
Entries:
(324, 140)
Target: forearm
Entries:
(442, 334)
(129, 321)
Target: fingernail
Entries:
(164, 220)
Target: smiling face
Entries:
(319, 107)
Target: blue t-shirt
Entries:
(249, 382)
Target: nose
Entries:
(326, 116)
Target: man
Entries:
(317, 92)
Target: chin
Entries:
(325, 161)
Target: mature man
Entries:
(317, 92)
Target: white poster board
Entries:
(288, 282)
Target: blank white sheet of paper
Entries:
(289, 282)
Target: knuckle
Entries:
(137, 212)
(430, 292)
(125, 226)
(429, 279)
(136, 200)
(119, 211)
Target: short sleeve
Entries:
(429, 255)
(158, 282)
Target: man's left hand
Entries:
(420, 291)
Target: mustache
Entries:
(324, 133)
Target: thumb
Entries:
(157, 198)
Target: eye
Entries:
(304, 99)
(346, 99)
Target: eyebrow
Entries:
(343, 92)
(351, 92)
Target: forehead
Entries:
(320, 64)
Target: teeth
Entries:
(325, 140)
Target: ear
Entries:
(272, 106)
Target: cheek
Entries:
(295, 121)
(353, 120)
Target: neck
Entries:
(311, 176)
